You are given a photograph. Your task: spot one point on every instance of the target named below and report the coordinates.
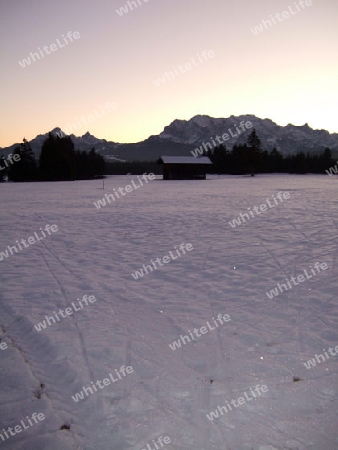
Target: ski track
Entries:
(133, 322)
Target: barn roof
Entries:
(185, 160)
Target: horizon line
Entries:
(176, 119)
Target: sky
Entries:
(104, 78)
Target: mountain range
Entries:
(181, 137)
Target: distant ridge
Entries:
(182, 136)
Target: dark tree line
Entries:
(25, 169)
(248, 158)
(133, 168)
(251, 158)
(58, 162)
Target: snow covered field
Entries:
(169, 393)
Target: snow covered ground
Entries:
(229, 271)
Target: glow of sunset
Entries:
(288, 72)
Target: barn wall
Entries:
(184, 172)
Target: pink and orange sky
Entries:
(288, 72)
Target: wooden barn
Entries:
(185, 167)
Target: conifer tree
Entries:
(57, 159)
(26, 168)
(3, 169)
(254, 152)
